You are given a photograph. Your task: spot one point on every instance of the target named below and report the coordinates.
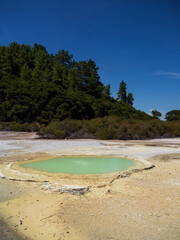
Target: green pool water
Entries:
(82, 165)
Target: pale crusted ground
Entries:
(145, 205)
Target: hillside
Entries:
(36, 86)
(62, 98)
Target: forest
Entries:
(61, 97)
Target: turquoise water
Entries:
(82, 165)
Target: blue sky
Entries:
(137, 41)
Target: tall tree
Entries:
(122, 94)
(89, 77)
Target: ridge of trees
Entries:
(36, 86)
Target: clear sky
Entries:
(137, 41)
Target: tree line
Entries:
(36, 86)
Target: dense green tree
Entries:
(173, 115)
(89, 79)
(59, 75)
(25, 73)
(64, 58)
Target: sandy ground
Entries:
(143, 205)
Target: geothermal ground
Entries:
(142, 203)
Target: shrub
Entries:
(111, 128)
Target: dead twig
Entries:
(48, 217)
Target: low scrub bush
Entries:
(111, 128)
